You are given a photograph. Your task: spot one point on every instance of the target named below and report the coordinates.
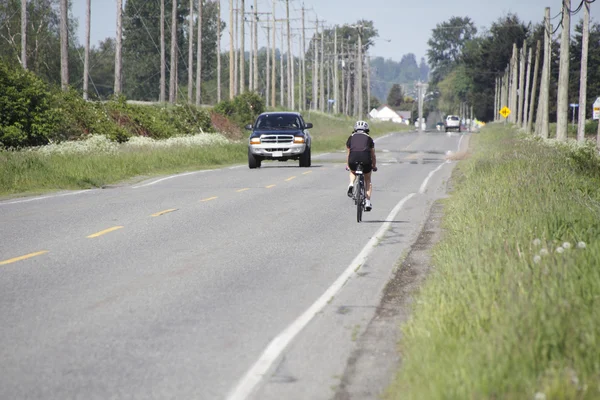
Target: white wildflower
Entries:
(581, 245)
(540, 396)
(537, 242)
(566, 245)
(560, 250)
(544, 252)
(537, 259)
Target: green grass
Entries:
(330, 133)
(498, 319)
(25, 172)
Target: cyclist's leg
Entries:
(368, 185)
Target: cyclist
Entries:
(360, 147)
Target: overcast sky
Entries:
(406, 23)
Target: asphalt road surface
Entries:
(229, 283)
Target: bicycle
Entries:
(358, 192)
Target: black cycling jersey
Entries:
(360, 145)
(360, 142)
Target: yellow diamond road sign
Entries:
(505, 112)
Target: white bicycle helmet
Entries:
(361, 126)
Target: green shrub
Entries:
(243, 109)
(25, 108)
(78, 117)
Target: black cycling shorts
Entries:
(356, 158)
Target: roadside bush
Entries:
(243, 109)
(25, 108)
(159, 121)
(77, 117)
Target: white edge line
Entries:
(170, 177)
(424, 184)
(426, 181)
(321, 155)
(252, 378)
(47, 197)
(384, 136)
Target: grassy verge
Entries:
(511, 310)
(33, 172)
(330, 133)
(27, 172)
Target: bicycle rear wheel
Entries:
(360, 198)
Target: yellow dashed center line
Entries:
(25, 257)
(270, 186)
(242, 190)
(104, 232)
(290, 178)
(210, 198)
(158, 214)
(307, 172)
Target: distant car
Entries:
(279, 136)
(439, 126)
(452, 122)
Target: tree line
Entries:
(466, 63)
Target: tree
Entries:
(102, 69)
(424, 70)
(395, 98)
(485, 58)
(409, 69)
(446, 45)
(141, 47)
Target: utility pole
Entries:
(255, 68)
(218, 51)
(24, 35)
(562, 107)
(536, 69)
(242, 57)
(527, 84)
(163, 56)
(322, 71)
(495, 97)
(199, 54)
(514, 67)
(585, 35)
(86, 57)
(360, 73)
(421, 88)
(64, 45)
(303, 62)
(268, 66)
(231, 53)
(336, 83)
(251, 52)
(281, 78)
(315, 63)
(368, 62)
(545, 120)
(274, 67)
(521, 91)
(236, 78)
(173, 71)
(191, 51)
(290, 88)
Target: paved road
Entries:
(174, 288)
